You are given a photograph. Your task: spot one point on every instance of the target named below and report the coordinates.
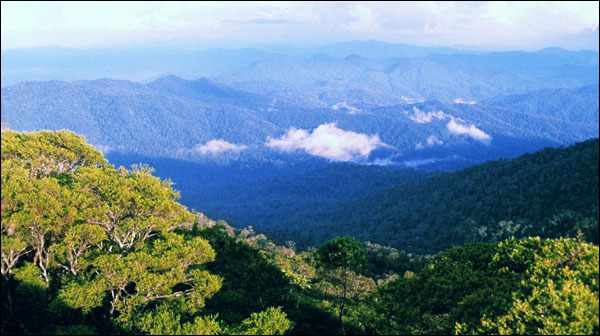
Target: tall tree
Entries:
(337, 260)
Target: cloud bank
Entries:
(454, 126)
(472, 131)
(493, 24)
(328, 141)
(215, 147)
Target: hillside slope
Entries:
(551, 193)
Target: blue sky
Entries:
(483, 25)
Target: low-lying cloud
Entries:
(328, 141)
(462, 101)
(455, 126)
(421, 117)
(216, 146)
(418, 163)
(411, 100)
(472, 131)
(344, 105)
(432, 140)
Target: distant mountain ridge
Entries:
(200, 59)
(171, 116)
(426, 107)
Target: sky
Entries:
(483, 25)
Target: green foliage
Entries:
(87, 248)
(342, 252)
(78, 241)
(12, 249)
(202, 325)
(164, 321)
(250, 282)
(270, 322)
(131, 206)
(94, 243)
(550, 193)
(82, 295)
(527, 286)
(29, 275)
(338, 259)
(47, 153)
(559, 290)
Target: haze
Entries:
(467, 25)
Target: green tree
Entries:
(525, 286)
(89, 247)
(49, 153)
(558, 293)
(270, 322)
(337, 260)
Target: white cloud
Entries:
(423, 118)
(472, 131)
(329, 142)
(344, 105)
(215, 146)
(364, 20)
(462, 101)
(454, 126)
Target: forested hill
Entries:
(91, 249)
(551, 193)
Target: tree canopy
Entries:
(88, 248)
(101, 248)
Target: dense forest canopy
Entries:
(88, 248)
(550, 193)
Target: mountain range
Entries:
(463, 108)
(301, 134)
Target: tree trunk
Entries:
(341, 315)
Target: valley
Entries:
(300, 168)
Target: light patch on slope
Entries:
(432, 140)
(216, 146)
(411, 100)
(344, 105)
(328, 141)
(421, 117)
(272, 105)
(381, 162)
(462, 101)
(418, 163)
(472, 131)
